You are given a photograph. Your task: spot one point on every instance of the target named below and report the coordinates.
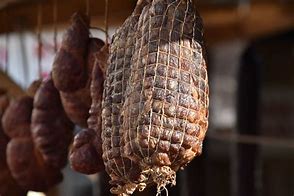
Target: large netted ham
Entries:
(121, 169)
(155, 109)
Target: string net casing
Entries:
(155, 104)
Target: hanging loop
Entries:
(6, 65)
(40, 44)
(55, 34)
(106, 21)
(88, 7)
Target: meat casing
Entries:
(163, 111)
(121, 169)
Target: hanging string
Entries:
(88, 7)
(106, 21)
(6, 65)
(40, 44)
(55, 34)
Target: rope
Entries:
(55, 15)
(106, 21)
(88, 7)
(40, 45)
(6, 66)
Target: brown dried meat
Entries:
(159, 121)
(27, 167)
(51, 129)
(24, 161)
(8, 186)
(84, 157)
(18, 125)
(121, 169)
(3, 143)
(86, 154)
(77, 103)
(69, 73)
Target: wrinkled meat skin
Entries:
(69, 73)
(18, 127)
(8, 186)
(51, 129)
(120, 169)
(77, 103)
(24, 161)
(165, 114)
(27, 167)
(86, 154)
(155, 100)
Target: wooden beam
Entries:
(221, 22)
(5, 3)
(25, 16)
(12, 89)
(259, 20)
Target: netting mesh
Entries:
(156, 95)
(120, 169)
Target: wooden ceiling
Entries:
(5, 3)
(221, 23)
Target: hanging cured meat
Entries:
(155, 102)
(69, 73)
(72, 69)
(36, 152)
(24, 162)
(121, 169)
(51, 129)
(8, 186)
(86, 155)
(77, 103)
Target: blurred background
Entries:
(249, 149)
